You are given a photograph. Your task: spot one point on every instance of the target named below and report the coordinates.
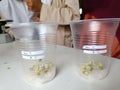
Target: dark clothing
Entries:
(103, 9)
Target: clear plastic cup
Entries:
(92, 37)
(37, 44)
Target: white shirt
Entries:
(48, 2)
(16, 10)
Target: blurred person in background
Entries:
(61, 11)
(16, 10)
(93, 9)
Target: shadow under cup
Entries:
(92, 37)
(37, 44)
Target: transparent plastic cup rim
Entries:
(17, 25)
(100, 19)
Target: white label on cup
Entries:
(32, 52)
(94, 46)
(33, 57)
(95, 52)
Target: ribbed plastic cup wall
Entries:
(37, 45)
(93, 38)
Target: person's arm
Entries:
(35, 6)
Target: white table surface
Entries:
(66, 78)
